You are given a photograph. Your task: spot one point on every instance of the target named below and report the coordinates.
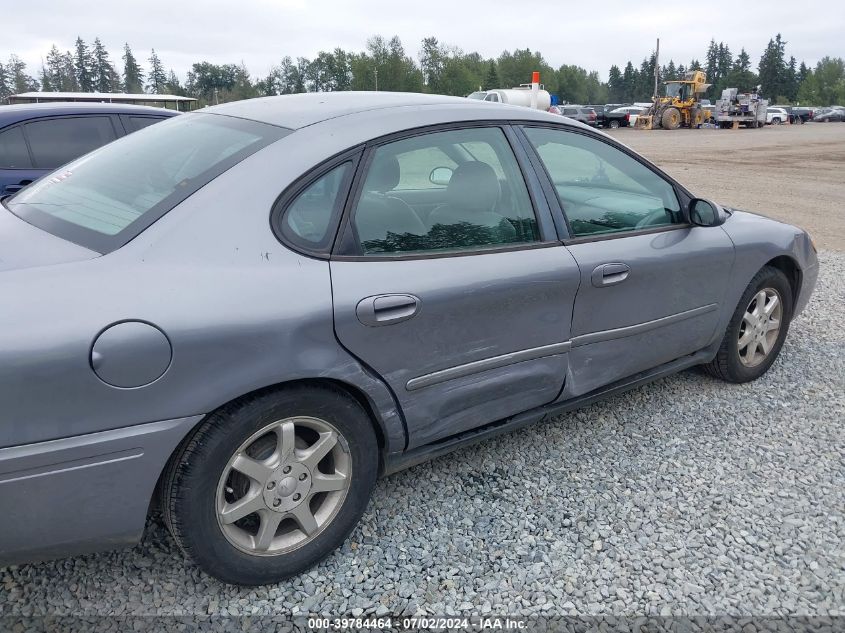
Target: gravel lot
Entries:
(794, 173)
(687, 496)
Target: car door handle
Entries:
(610, 274)
(13, 188)
(387, 309)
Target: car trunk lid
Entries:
(25, 246)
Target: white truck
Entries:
(531, 95)
(736, 108)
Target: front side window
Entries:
(106, 197)
(480, 200)
(602, 189)
(13, 152)
(55, 142)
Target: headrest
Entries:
(384, 173)
(473, 186)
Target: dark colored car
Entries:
(829, 115)
(37, 138)
(602, 110)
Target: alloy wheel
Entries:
(283, 486)
(760, 327)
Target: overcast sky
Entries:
(260, 32)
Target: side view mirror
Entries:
(705, 213)
(440, 176)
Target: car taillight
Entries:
(628, 117)
(592, 116)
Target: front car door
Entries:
(463, 309)
(651, 284)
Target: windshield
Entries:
(107, 197)
(673, 90)
(477, 95)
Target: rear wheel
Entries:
(757, 330)
(776, 121)
(271, 484)
(613, 125)
(671, 119)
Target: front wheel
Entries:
(757, 330)
(271, 484)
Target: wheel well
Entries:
(788, 267)
(350, 390)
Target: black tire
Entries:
(190, 484)
(671, 119)
(776, 121)
(727, 365)
(613, 125)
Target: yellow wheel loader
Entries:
(681, 105)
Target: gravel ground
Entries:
(687, 496)
(789, 172)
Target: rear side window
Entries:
(55, 142)
(485, 202)
(107, 197)
(135, 123)
(13, 152)
(307, 219)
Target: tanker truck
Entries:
(532, 95)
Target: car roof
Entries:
(23, 111)
(301, 110)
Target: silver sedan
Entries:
(246, 315)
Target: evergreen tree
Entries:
(740, 76)
(71, 83)
(772, 69)
(56, 70)
(491, 79)
(630, 81)
(83, 64)
(711, 60)
(17, 78)
(133, 76)
(104, 72)
(46, 85)
(157, 79)
(5, 83)
(615, 85)
(173, 86)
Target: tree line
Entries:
(438, 68)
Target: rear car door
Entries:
(59, 140)
(651, 284)
(464, 309)
(16, 166)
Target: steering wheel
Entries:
(658, 216)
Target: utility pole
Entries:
(656, 68)
(375, 72)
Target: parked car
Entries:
(625, 116)
(601, 110)
(801, 114)
(258, 308)
(829, 115)
(776, 116)
(579, 113)
(37, 138)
